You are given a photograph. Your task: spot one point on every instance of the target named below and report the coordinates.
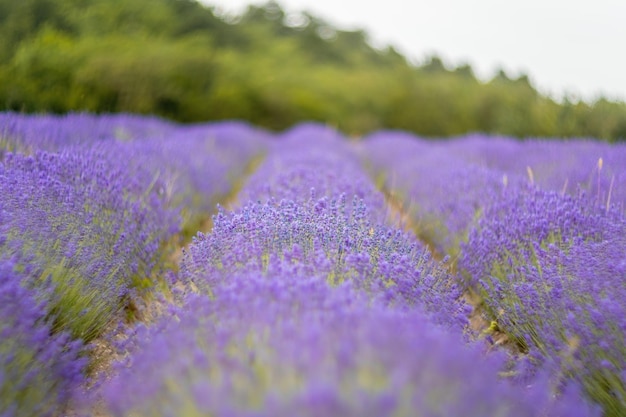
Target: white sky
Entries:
(570, 47)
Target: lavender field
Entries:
(156, 269)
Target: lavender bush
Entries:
(565, 166)
(441, 185)
(196, 165)
(91, 219)
(551, 272)
(313, 156)
(440, 192)
(39, 371)
(320, 237)
(79, 224)
(29, 133)
(289, 344)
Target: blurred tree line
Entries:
(178, 59)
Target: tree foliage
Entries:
(178, 59)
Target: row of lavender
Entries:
(305, 300)
(89, 208)
(537, 230)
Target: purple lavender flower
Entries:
(565, 166)
(440, 192)
(287, 344)
(82, 230)
(39, 371)
(550, 269)
(313, 158)
(191, 166)
(442, 184)
(321, 238)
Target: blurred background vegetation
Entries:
(177, 59)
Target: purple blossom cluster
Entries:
(550, 269)
(442, 184)
(440, 192)
(196, 165)
(28, 133)
(319, 237)
(38, 372)
(83, 231)
(566, 166)
(290, 344)
(313, 156)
